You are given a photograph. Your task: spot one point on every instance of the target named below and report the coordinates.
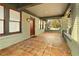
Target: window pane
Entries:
(1, 12)
(14, 26)
(1, 27)
(14, 15)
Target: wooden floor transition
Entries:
(46, 44)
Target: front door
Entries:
(32, 26)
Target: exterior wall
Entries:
(9, 40)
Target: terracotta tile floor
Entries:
(46, 44)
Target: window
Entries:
(14, 21)
(1, 19)
(10, 22)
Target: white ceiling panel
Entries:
(48, 9)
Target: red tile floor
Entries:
(46, 44)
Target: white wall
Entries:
(9, 40)
(37, 27)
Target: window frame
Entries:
(20, 22)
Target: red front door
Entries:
(32, 26)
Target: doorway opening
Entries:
(54, 24)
